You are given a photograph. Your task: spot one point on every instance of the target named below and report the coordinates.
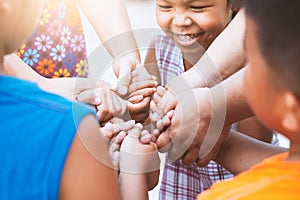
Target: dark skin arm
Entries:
(240, 152)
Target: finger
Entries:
(116, 120)
(156, 114)
(136, 99)
(120, 137)
(89, 97)
(170, 114)
(107, 130)
(156, 133)
(156, 97)
(168, 101)
(160, 125)
(122, 85)
(166, 121)
(161, 91)
(117, 106)
(138, 107)
(190, 156)
(141, 85)
(146, 137)
(135, 131)
(103, 113)
(164, 142)
(202, 162)
(125, 126)
(145, 92)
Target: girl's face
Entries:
(189, 22)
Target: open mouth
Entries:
(187, 39)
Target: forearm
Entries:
(133, 186)
(111, 22)
(224, 57)
(237, 107)
(240, 152)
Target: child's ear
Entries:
(291, 115)
(5, 5)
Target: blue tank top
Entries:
(36, 132)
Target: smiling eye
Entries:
(164, 8)
(198, 8)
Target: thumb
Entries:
(123, 82)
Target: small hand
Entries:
(136, 157)
(122, 68)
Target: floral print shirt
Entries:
(57, 48)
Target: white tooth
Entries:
(184, 38)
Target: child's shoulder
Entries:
(29, 96)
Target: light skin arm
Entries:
(139, 164)
(111, 22)
(66, 87)
(240, 152)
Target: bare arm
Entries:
(66, 87)
(237, 107)
(224, 57)
(86, 176)
(139, 166)
(240, 152)
(111, 22)
(150, 63)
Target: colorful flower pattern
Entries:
(57, 48)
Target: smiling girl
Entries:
(190, 26)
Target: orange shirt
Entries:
(274, 178)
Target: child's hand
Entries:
(122, 68)
(142, 87)
(115, 131)
(136, 157)
(160, 121)
(138, 108)
(142, 83)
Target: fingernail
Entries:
(139, 125)
(156, 132)
(122, 90)
(170, 113)
(146, 139)
(138, 98)
(154, 117)
(97, 100)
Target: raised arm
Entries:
(111, 22)
(224, 57)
